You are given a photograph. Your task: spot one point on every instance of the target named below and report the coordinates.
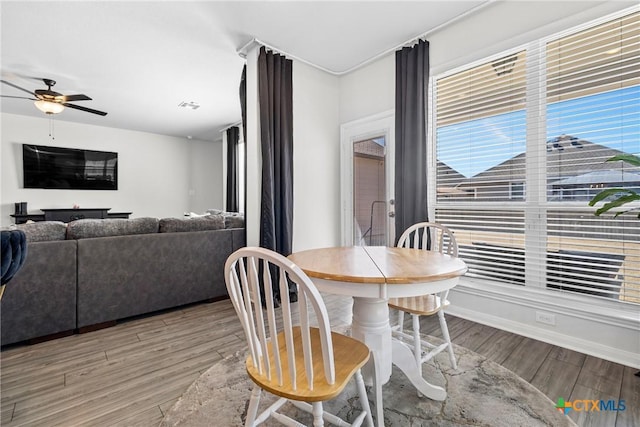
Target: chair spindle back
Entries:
(429, 236)
(250, 274)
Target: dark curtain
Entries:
(233, 138)
(275, 98)
(242, 92)
(243, 103)
(412, 76)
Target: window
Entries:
(521, 143)
(516, 190)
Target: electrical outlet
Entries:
(547, 318)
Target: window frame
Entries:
(534, 203)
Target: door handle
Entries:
(392, 214)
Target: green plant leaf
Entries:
(623, 196)
(629, 158)
(607, 193)
(622, 200)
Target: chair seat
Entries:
(424, 305)
(349, 356)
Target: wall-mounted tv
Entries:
(69, 168)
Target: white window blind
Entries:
(522, 141)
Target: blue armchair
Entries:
(14, 252)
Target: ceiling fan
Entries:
(50, 102)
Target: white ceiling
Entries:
(139, 60)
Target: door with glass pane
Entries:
(367, 182)
(369, 192)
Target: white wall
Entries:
(155, 172)
(316, 159)
(368, 91)
(254, 159)
(206, 176)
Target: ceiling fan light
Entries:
(49, 107)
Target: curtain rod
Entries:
(254, 41)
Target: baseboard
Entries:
(579, 328)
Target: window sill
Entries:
(605, 329)
(613, 312)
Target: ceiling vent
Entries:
(192, 105)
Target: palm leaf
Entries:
(622, 200)
(623, 196)
(629, 158)
(607, 193)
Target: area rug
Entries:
(479, 393)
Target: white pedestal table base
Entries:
(370, 324)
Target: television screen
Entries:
(69, 168)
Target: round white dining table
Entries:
(372, 275)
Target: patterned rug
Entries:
(479, 393)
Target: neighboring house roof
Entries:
(448, 179)
(568, 158)
(370, 147)
(600, 177)
(447, 171)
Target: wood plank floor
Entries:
(132, 373)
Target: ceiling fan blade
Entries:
(88, 110)
(71, 98)
(18, 87)
(17, 97)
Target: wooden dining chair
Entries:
(435, 237)
(288, 357)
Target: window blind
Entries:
(521, 143)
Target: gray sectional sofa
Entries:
(89, 273)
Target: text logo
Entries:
(586, 405)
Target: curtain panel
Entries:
(275, 98)
(412, 77)
(233, 138)
(242, 92)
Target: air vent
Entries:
(192, 105)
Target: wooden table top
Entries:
(378, 264)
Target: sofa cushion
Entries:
(176, 225)
(44, 231)
(88, 228)
(233, 220)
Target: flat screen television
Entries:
(69, 168)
